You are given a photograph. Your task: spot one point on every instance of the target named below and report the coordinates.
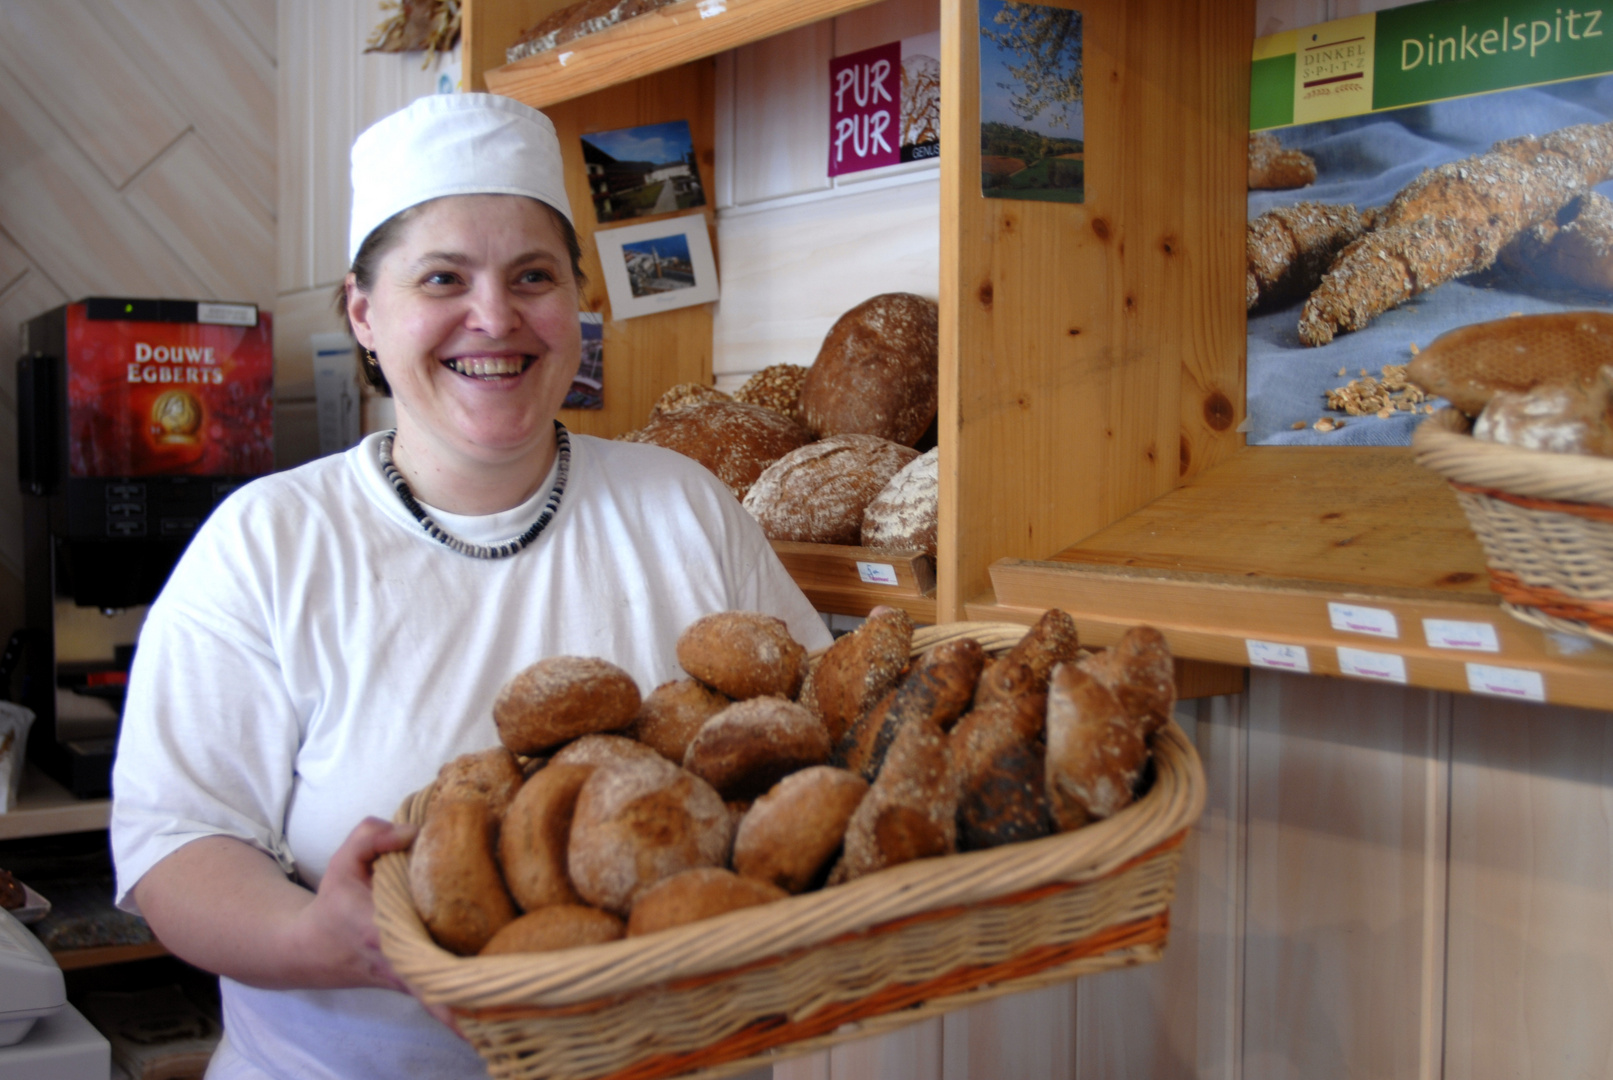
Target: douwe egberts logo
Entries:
(191, 364)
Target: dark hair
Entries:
(383, 238)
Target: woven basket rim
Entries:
(1444, 444)
(587, 974)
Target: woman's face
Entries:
(473, 319)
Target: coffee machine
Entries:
(136, 417)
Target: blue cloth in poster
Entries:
(1366, 160)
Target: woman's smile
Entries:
(490, 368)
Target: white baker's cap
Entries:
(453, 144)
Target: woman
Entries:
(335, 633)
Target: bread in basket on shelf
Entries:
(895, 924)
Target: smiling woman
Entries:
(334, 634)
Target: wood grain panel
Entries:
(781, 114)
(13, 264)
(1531, 892)
(911, 1053)
(1028, 1036)
(295, 183)
(296, 316)
(890, 21)
(489, 29)
(210, 220)
(789, 272)
(1344, 935)
(88, 85)
(1081, 333)
(259, 19)
(212, 71)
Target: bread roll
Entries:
(600, 750)
(454, 876)
(493, 776)
(751, 745)
(910, 812)
(1469, 364)
(1000, 761)
(903, 516)
(1095, 752)
(818, 493)
(1554, 417)
(743, 654)
(859, 669)
(777, 387)
(1140, 672)
(937, 692)
(694, 895)
(734, 440)
(537, 828)
(562, 926)
(1052, 640)
(684, 395)
(674, 711)
(790, 835)
(877, 372)
(639, 822)
(558, 699)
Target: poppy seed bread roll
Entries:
(819, 493)
(878, 371)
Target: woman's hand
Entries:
(339, 923)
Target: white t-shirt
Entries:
(316, 656)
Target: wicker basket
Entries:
(1545, 521)
(714, 998)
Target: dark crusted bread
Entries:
(734, 440)
(819, 492)
(877, 372)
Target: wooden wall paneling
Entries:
(813, 1066)
(212, 70)
(30, 295)
(1182, 1017)
(1531, 892)
(890, 21)
(909, 1053)
(201, 211)
(88, 84)
(1029, 1036)
(13, 265)
(781, 114)
(294, 136)
(722, 169)
(1344, 967)
(258, 18)
(1057, 319)
(790, 271)
(647, 355)
(296, 316)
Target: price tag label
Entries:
(1452, 634)
(876, 573)
(227, 314)
(1506, 682)
(1376, 622)
(1386, 667)
(1270, 654)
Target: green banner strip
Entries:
(1271, 93)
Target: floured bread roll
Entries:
(937, 692)
(903, 515)
(910, 812)
(454, 876)
(1555, 417)
(791, 833)
(1095, 752)
(858, 670)
(493, 776)
(561, 698)
(743, 654)
(734, 440)
(751, 745)
(562, 926)
(1000, 760)
(877, 372)
(536, 830)
(673, 713)
(697, 894)
(818, 493)
(1140, 672)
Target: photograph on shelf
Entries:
(657, 266)
(1412, 172)
(588, 387)
(885, 105)
(633, 172)
(1032, 124)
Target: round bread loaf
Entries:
(751, 745)
(877, 372)
(902, 517)
(1095, 752)
(777, 388)
(454, 876)
(537, 828)
(792, 833)
(558, 699)
(818, 493)
(734, 440)
(743, 654)
(694, 895)
(683, 395)
(599, 750)
(492, 776)
(562, 926)
(640, 822)
(858, 670)
(674, 711)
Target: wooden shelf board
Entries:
(1257, 548)
(655, 41)
(829, 576)
(101, 955)
(45, 808)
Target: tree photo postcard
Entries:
(1032, 126)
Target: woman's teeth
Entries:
(488, 367)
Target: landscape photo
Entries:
(659, 266)
(588, 386)
(633, 172)
(1032, 124)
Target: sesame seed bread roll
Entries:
(558, 699)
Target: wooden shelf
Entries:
(45, 808)
(100, 955)
(1258, 547)
(656, 41)
(832, 580)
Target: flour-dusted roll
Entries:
(902, 517)
(743, 654)
(1029, 664)
(599, 750)
(818, 493)
(734, 440)
(790, 835)
(639, 822)
(858, 670)
(937, 692)
(751, 745)
(910, 812)
(697, 894)
(561, 698)
(1141, 673)
(562, 926)
(537, 828)
(877, 372)
(1095, 751)
(1000, 761)
(493, 776)
(454, 876)
(673, 713)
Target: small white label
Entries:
(711, 8)
(565, 57)
(1451, 634)
(1363, 620)
(1269, 654)
(1506, 682)
(876, 573)
(227, 314)
(1372, 665)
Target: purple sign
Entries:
(865, 103)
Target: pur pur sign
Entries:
(175, 364)
(865, 109)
